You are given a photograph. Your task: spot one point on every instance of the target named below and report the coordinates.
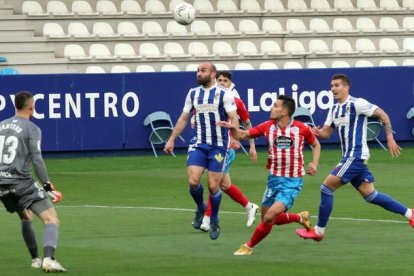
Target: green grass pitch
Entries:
(132, 216)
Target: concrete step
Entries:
(27, 53)
(23, 42)
(16, 31)
(6, 10)
(37, 68)
(13, 20)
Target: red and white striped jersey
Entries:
(285, 146)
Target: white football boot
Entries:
(251, 211)
(50, 265)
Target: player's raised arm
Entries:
(178, 129)
(239, 134)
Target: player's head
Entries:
(24, 102)
(284, 106)
(340, 85)
(224, 78)
(206, 74)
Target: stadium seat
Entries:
(273, 26)
(100, 51)
(321, 6)
(340, 64)
(199, 49)
(345, 6)
(201, 28)
(319, 47)
(343, 47)
(75, 52)
(243, 66)
(54, 30)
(120, 69)
(363, 63)
(303, 115)
(408, 23)
(103, 29)
(83, 8)
(275, 6)
(271, 48)
(173, 4)
(292, 65)
(128, 29)
(175, 29)
(268, 65)
(408, 4)
(9, 71)
(132, 7)
(191, 67)
(222, 67)
(248, 49)
(155, 7)
(320, 26)
(94, 69)
(295, 25)
(249, 27)
(170, 68)
(106, 7)
(58, 8)
(391, 5)
(390, 46)
(145, 68)
(223, 49)
(251, 6)
(408, 44)
(3, 59)
(298, 6)
(175, 50)
(408, 62)
(161, 129)
(79, 30)
(368, 5)
(295, 47)
(227, 6)
(366, 25)
(204, 7)
(150, 50)
(366, 46)
(316, 64)
(153, 29)
(225, 27)
(33, 8)
(343, 25)
(389, 24)
(125, 51)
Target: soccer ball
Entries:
(184, 13)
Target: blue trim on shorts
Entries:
(283, 189)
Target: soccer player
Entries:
(208, 149)
(20, 142)
(285, 138)
(224, 79)
(349, 116)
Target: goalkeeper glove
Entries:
(54, 195)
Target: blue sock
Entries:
(325, 208)
(215, 200)
(197, 194)
(386, 202)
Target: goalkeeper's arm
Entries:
(54, 195)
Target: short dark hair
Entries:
(225, 74)
(21, 99)
(344, 78)
(288, 103)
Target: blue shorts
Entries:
(353, 170)
(283, 189)
(231, 154)
(210, 157)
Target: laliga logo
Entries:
(308, 99)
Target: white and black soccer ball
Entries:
(184, 13)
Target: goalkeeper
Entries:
(20, 142)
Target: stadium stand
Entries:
(229, 32)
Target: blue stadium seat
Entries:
(9, 71)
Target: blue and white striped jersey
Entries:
(350, 120)
(210, 105)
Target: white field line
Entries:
(222, 212)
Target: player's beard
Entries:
(204, 81)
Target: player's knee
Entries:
(268, 218)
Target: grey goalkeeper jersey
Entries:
(20, 142)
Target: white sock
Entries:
(319, 230)
(409, 213)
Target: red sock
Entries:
(261, 231)
(208, 210)
(285, 218)
(234, 192)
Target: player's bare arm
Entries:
(239, 134)
(178, 129)
(252, 150)
(316, 153)
(324, 133)
(380, 114)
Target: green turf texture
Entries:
(106, 228)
